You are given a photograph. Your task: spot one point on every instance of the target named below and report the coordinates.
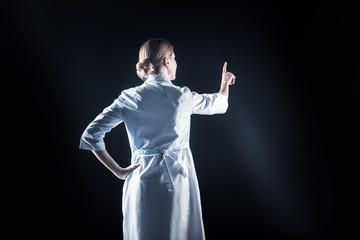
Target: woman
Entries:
(161, 198)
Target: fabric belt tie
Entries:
(170, 164)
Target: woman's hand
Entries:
(105, 158)
(227, 79)
(124, 172)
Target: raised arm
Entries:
(227, 79)
(214, 103)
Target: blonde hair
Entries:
(151, 56)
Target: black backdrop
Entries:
(277, 165)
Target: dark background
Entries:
(278, 165)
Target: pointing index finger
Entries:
(224, 68)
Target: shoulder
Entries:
(185, 89)
(128, 93)
(186, 94)
(128, 96)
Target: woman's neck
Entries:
(163, 71)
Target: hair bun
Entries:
(144, 68)
(151, 57)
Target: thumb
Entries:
(136, 165)
(132, 167)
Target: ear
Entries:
(166, 62)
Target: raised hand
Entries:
(227, 77)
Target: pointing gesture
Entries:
(227, 79)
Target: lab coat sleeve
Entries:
(93, 136)
(208, 104)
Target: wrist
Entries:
(224, 89)
(119, 173)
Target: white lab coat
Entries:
(161, 198)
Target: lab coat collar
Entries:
(157, 78)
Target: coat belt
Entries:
(170, 164)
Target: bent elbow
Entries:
(90, 142)
(224, 109)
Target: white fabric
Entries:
(161, 198)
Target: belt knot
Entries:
(170, 163)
